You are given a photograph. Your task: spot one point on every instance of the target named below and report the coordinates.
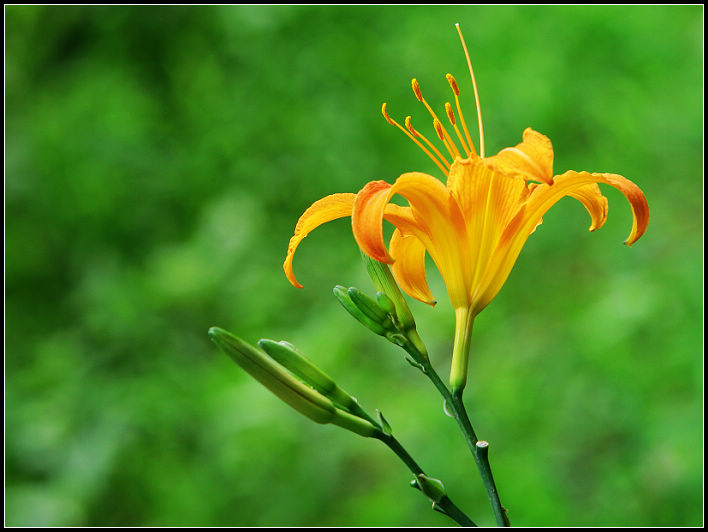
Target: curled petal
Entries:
(324, 210)
(367, 219)
(429, 206)
(595, 203)
(531, 159)
(543, 198)
(433, 217)
(409, 268)
(573, 183)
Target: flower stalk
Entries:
(452, 396)
(456, 407)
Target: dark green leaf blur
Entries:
(157, 159)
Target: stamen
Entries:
(416, 133)
(476, 94)
(416, 89)
(451, 117)
(414, 139)
(385, 114)
(442, 134)
(453, 83)
(449, 144)
(456, 91)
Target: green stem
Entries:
(444, 504)
(454, 405)
(480, 451)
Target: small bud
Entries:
(342, 295)
(370, 308)
(431, 487)
(383, 279)
(385, 303)
(384, 282)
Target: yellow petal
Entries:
(429, 207)
(543, 197)
(324, 210)
(438, 224)
(367, 220)
(595, 203)
(409, 268)
(488, 201)
(572, 183)
(532, 159)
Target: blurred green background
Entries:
(157, 159)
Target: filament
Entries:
(456, 91)
(449, 144)
(476, 94)
(418, 134)
(412, 135)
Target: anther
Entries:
(410, 127)
(453, 84)
(388, 118)
(416, 89)
(450, 115)
(438, 129)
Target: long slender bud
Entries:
(261, 367)
(299, 365)
(308, 401)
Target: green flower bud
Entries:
(265, 370)
(343, 297)
(385, 303)
(285, 354)
(371, 308)
(431, 487)
(383, 279)
(308, 401)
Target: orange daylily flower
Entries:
(474, 225)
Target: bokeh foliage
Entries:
(157, 159)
